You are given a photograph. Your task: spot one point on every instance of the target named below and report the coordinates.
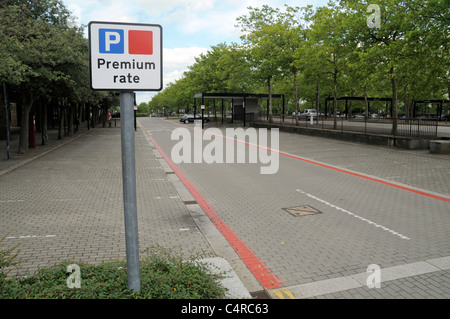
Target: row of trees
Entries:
(397, 49)
(44, 62)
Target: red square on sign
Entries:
(140, 42)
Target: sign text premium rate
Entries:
(125, 65)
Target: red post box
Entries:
(32, 131)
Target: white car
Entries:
(308, 113)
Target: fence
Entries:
(416, 127)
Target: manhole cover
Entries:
(302, 210)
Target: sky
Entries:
(190, 27)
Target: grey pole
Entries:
(129, 189)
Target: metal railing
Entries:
(415, 127)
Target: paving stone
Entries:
(74, 193)
(333, 242)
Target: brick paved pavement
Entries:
(416, 168)
(435, 285)
(67, 203)
(362, 222)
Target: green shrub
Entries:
(164, 275)
(8, 258)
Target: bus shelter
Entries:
(244, 106)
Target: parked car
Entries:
(375, 116)
(427, 117)
(306, 114)
(190, 118)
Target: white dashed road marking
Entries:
(354, 215)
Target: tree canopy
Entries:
(44, 58)
(328, 51)
(305, 53)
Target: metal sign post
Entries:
(127, 57)
(129, 189)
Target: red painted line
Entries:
(369, 178)
(254, 264)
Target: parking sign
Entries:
(125, 56)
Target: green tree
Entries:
(329, 33)
(329, 50)
(290, 26)
(224, 69)
(233, 69)
(264, 43)
(144, 108)
(413, 35)
(41, 49)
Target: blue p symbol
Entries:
(111, 41)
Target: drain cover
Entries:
(301, 210)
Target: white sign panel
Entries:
(125, 56)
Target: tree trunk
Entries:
(27, 104)
(82, 112)
(350, 112)
(270, 99)
(44, 125)
(79, 110)
(394, 102)
(65, 113)
(405, 104)
(3, 115)
(88, 115)
(366, 104)
(409, 115)
(335, 99)
(70, 120)
(60, 119)
(317, 99)
(94, 116)
(296, 96)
